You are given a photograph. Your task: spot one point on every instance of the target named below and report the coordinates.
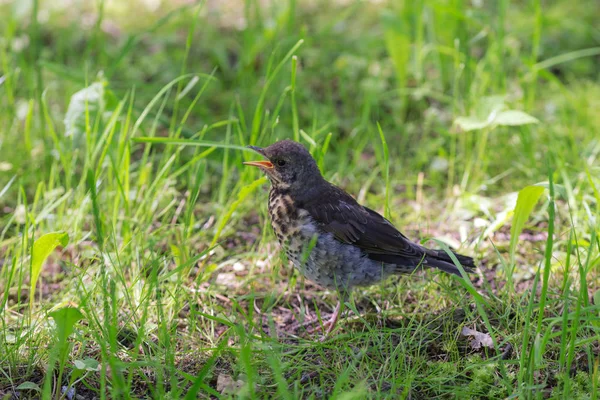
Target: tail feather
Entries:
(441, 260)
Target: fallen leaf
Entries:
(479, 339)
(226, 384)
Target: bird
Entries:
(330, 238)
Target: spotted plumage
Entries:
(328, 236)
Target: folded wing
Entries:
(349, 222)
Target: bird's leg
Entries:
(330, 323)
(334, 318)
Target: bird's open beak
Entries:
(263, 163)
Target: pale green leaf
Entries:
(488, 106)
(91, 99)
(526, 201)
(41, 250)
(471, 123)
(29, 386)
(514, 118)
(65, 319)
(491, 112)
(89, 364)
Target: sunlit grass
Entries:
(171, 263)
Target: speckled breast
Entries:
(296, 232)
(286, 223)
(316, 254)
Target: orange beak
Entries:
(261, 164)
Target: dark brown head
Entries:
(288, 165)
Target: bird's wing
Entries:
(339, 214)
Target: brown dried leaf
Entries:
(479, 338)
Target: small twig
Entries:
(178, 211)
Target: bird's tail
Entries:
(441, 260)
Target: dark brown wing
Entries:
(338, 213)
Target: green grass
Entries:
(124, 126)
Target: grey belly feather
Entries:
(330, 263)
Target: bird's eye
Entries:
(281, 162)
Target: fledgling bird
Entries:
(330, 238)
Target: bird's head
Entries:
(288, 165)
